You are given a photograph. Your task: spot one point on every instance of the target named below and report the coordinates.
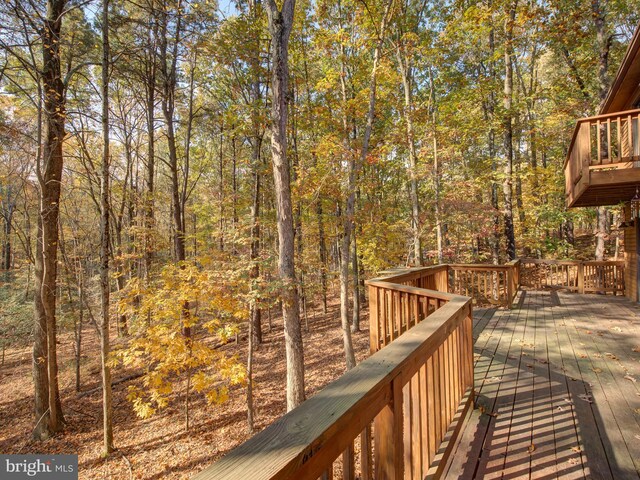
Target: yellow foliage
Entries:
(181, 296)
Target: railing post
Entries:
(581, 277)
(509, 286)
(374, 320)
(387, 429)
(445, 284)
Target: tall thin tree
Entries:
(104, 239)
(280, 25)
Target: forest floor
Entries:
(160, 447)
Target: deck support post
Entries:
(389, 451)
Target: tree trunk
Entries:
(508, 134)
(254, 273)
(280, 25)
(407, 79)
(50, 186)
(150, 86)
(40, 378)
(355, 320)
(347, 221)
(105, 241)
(604, 44)
(436, 171)
(494, 241)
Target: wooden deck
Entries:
(558, 390)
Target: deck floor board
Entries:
(551, 394)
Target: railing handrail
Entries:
(408, 273)
(423, 292)
(299, 444)
(480, 266)
(551, 261)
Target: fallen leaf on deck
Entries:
(560, 409)
(583, 355)
(529, 365)
(573, 461)
(576, 449)
(531, 448)
(636, 348)
(596, 369)
(568, 401)
(586, 398)
(630, 378)
(589, 332)
(611, 356)
(617, 329)
(637, 410)
(637, 437)
(543, 361)
(597, 355)
(484, 411)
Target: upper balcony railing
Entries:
(599, 145)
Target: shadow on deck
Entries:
(558, 390)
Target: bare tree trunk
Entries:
(254, 273)
(250, 348)
(604, 46)
(406, 71)
(494, 241)
(105, 241)
(322, 248)
(508, 133)
(436, 171)
(150, 86)
(355, 320)
(280, 25)
(50, 185)
(78, 334)
(601, 232)
(40, 378)
(347, 221)
(349, 213)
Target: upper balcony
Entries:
(603, 162)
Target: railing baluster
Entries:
(608, 140)
(388, 454)
(366, 452)
(598, 135)
(348, 464)
(432, 407)
(424, 421)
(327, 474)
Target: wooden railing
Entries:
(581, 277)
(403, 299)
(605, 141)
(486, 284)
(400, 408)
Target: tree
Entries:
(107, 409)
(280, 25)
(49, 176)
